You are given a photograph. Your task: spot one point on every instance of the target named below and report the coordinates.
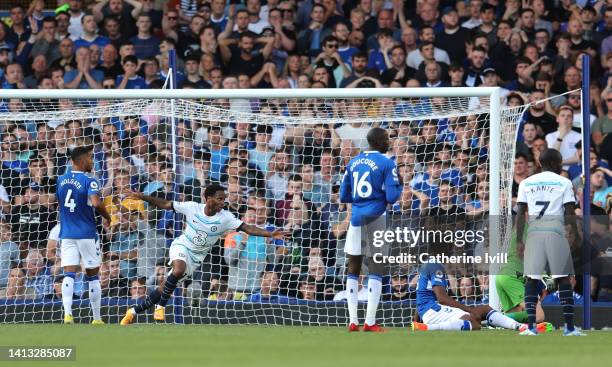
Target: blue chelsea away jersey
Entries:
(76, 213)
(430, 274)
(370, 183)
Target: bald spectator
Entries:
(109, 65)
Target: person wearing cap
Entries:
(453, 37)
(491, 79)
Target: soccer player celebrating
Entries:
(438, 311)
(369, 183)
(78, 195)
(548, 198)
(205, 224)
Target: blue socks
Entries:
(566, 296)
(151, 300)
(169, 287)
(531, 300)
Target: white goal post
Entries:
(493, 148)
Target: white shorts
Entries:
(356, 244)
(75, 250)
(446, 313)
(180, 252)
(352, 244)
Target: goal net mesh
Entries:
(281, 161)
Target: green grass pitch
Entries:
(254, 346)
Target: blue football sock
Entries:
(566, 296)
(531, 299)
(151, 300)
(169, 287)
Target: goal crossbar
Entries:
(247, 93)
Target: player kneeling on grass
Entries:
(438, 311)
(205, 224)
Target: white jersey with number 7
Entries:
(545, 194)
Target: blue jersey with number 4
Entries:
(370, 183)
(75, 210)
(430, 275)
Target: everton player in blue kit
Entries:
(369, 183)
(78, 195)
(438, 311)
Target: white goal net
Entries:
(281, 161)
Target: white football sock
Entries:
(374, 290)
(67, 293)
(95, 296)
(352, 288)
(498, 319)
(450, 325)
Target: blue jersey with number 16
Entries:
(77, 217)
(370, 183)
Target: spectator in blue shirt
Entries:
(377, 56)
(85, 76)
(38, 277)
(146, 44)
(130, 80)
(90, 34)
(9, 253)
(124, 243)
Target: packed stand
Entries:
(278, 176)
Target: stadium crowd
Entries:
(280, 177)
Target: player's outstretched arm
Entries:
(97, 203)
(157, 202)
(445, 300)
(256, 231)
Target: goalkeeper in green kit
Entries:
(510, 285)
